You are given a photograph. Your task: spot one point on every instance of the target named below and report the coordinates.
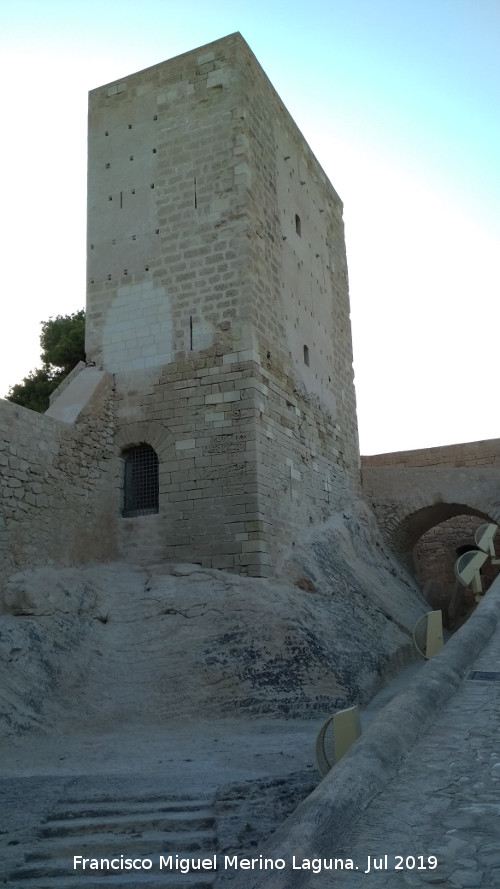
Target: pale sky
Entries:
(398, 99)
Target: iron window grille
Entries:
(141, 481)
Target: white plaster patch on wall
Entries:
(116, 89)
(186, 444)
(203, 335)
(242, 174)
(138, 328)
(220, 77)
(179, 91)
(218, 207)
(205, 57)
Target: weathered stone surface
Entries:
(178, 640)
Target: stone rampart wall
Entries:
(427, 500)
(471, 453)
(54, 487)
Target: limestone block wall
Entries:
(166, 221)
(218, 297)
(297, 267)
(308, 454)
(199, 415)
(305, 474)
(242, 469)
(54, 487)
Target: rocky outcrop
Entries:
(104, 644)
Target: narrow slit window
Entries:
(141, 488)
(306, 355)
(298, 227)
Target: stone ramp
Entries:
(108, 826)
(421, 786)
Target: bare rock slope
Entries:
(108, 643)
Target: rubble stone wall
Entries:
(54, 487)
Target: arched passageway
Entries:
(412, 492)
(434, 558)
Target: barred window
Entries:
(141, 481)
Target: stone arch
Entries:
(405, 535)
(427, 541)
(146, 432)
(141, 537)
(141, 486)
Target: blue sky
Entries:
(399, 101)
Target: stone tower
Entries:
(218, 298)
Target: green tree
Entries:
(62, 341)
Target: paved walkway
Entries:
(416, 802)
(438, 820)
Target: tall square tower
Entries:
(218, 298)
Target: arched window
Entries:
(140, 481)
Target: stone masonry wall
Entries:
(202, 412)
(218, 297)
(308, 456)
(244, 464)
(166, 221)
(297, 263)
(54, 487)
(471, 453)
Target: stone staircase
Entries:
(143, 828)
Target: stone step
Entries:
(103, 845)
(104, 807)
(120, 824)
(137, 880)
(102, 827)
(173, 800)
